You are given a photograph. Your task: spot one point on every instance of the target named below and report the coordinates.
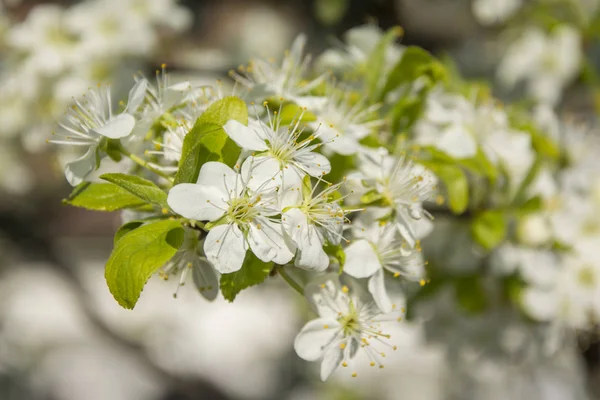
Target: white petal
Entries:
(77, 170)
(331, 360)
(344, 145)
(263, 173)
(361, 260)
(377, 289)
(225, 248)
(137, 95)
(205, 278)
(118, 127)
(200, 203)
(541, 304)
(310, 254)
(220, 177)
(313, 338)
(244, 136)
(267, 242)
(312, 163)
(457, 142)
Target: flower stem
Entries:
(144, 164)
(288, 279)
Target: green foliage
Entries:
(371, 197)
(415, 63)
(376, 63)
(455, 183)
(489, 228)
(330, 12)
(471, 295)
(291, 112)
(112, 147)
(125, 229)
(137, 255)
(253, 272)
(102, 197)
(337, 252)
(207, 141)
(140, 187)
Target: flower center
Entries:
(243, 209)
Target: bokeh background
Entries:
(63, 337)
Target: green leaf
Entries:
(225, 109)
(125, 229)
(489, 228)
(291, 112)
(140, 187)
(371, 197)
(102, 197)
(330, 12)
(415, 63)
(456, 184)
(336, 251)
(138, 255)
(207, 141)
(471, 295)
(377, 61)
(253, 272)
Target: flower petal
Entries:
(268, 243)
(263, 173)
(314, 164)
(331, 360)
(220, 177)
(205, 278)
(377, 289)
(76, 171)
(314, 337)
(137, 95)
(118, 127)
(225, 248)
(361, 259)
(310, 254)
(200, 203)
(245, 137)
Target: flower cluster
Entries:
(57, 52)
(358, 187)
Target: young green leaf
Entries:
(207, 141)
(306, 187)
(456, 184)
(377, 60)
(140, 187)
(125, 229)
(253, 272)
(415, 63)
(138, 255)
(102, 197)
(489, 228)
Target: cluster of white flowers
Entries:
(274, 205)
(58, 52)
(326, 182)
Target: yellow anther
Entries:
(345, 289)
(354, 374)
(342, 346)
(165, 210)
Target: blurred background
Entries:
(62, 335)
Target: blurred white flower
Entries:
(545, 62)
(490, 12)
(46, 40)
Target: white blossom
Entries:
(317, 220)
(378, 247)
(86, 124)
(285, 80)
(545, 62)
(243, 217)
(281, 157)
(346, 325)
